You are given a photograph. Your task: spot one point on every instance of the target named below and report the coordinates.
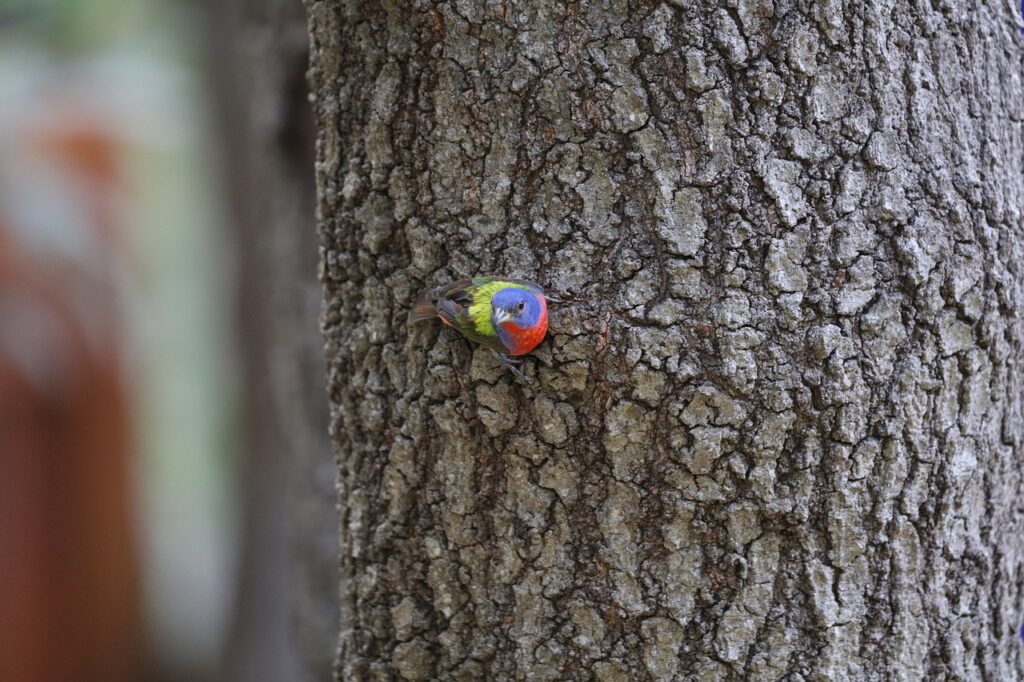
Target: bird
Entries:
(508, 316)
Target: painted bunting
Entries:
(508, 316)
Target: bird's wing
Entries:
(452, 303)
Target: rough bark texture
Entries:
(775, 433)
(285, 618)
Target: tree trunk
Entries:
(285, 618)
(776, 429)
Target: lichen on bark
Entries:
(776, 431)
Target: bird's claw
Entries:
(513, 365)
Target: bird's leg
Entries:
(513, 365)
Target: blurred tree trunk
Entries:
(285, 620)
(70, 603)
(776, 431)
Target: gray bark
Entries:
(775, 432)
(284, 623)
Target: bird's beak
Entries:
(501, 315)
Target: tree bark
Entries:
(776, 430)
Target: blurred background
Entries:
(166, 485)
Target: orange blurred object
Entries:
(69, 585)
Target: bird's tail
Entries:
(422, 309)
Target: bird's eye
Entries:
(522, 304)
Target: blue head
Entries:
(524, 307)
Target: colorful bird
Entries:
(508, 316)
